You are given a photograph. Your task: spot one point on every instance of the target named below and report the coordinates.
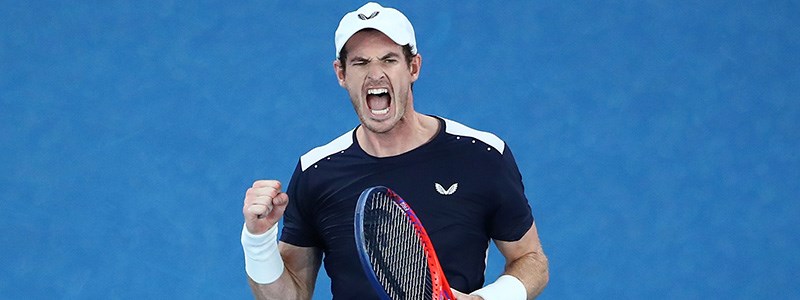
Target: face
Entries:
(378, 80)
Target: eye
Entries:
(390, 60)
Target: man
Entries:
(464, 184)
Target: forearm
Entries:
(287, 286)
(532, 270)
(279, 270)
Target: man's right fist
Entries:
(264, 204)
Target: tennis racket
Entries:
(395, 251)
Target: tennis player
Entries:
(464, 184)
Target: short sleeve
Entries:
(512, 217)
(298, 227)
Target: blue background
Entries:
(658, 140)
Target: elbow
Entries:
(543, 275)
(544, 268)
(546, 271)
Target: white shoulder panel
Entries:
(316, 154)
(456, 128)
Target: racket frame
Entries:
(441, 289)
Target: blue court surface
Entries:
(659, 141)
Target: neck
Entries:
(412, 131)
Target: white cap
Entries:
(390, 21)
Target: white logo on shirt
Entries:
(449, 191)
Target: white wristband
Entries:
(506, 287)
(262, 260)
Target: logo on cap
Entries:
(363, 17)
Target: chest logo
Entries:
(449, 191)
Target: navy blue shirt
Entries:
(464, 185)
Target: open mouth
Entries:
(378, 100)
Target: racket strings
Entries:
(399, 263)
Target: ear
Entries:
(416, 66)
(339, 70)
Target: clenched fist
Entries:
(264, 204)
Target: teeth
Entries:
(377, 91)
(380, 111)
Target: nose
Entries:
(375, 72)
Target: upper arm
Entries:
(529, 243)
(526, 261)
